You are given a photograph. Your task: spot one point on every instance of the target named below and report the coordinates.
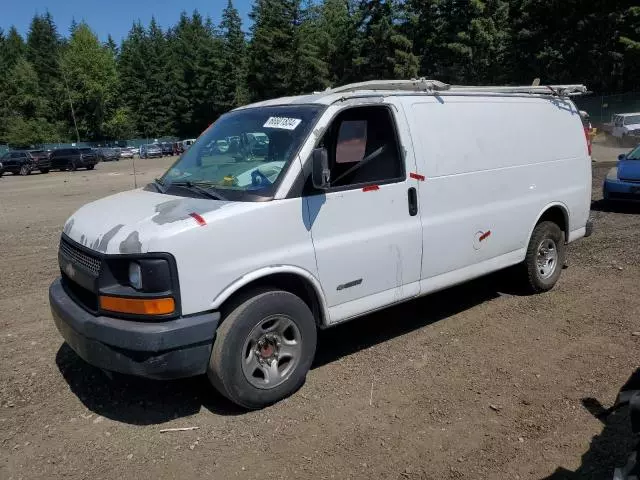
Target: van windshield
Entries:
(245, 153)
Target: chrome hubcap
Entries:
(547, 260)
(271, 352)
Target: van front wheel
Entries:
(263, 349)
(545, 257)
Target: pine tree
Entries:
(196, 52)
(270, 51)
(43, 51)
(111, 45)
(234, 60)
(25, 122)
(386, 52)
(310, 70)
(132, 82)
(338, 40)
(630, 41)
(156, 99)
(90, 71)
(14, 48)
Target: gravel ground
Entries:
(477, 382)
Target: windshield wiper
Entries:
(159, 184)
(202, 188)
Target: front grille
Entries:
(83, 297)
(80, 258)
(630, 180)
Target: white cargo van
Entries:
(363, 196)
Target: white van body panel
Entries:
(492, 165)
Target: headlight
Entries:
(613, 174)
(135, 275)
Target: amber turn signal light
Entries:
(138, 306)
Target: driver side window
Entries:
(363, 148)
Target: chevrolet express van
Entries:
(363, 197)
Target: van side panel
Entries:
(493, 164)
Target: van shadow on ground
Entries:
(611, 448)
(140, 401)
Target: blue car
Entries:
(623, 180)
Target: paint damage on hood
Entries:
(130, 222)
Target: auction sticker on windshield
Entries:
(282, 123)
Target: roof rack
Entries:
(432, 86)
(414, 85)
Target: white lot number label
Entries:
(282, 123)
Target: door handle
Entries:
(413, 201)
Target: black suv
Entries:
(24, 162)
(73, 158)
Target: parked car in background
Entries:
(187, 143)
(42, 160)
(167, 148)
(127, 152)
(623, 180)
(73, 158)
(177, 148)
(150, 150)
(625, 127)
(106, 154)
(24, 162)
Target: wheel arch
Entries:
(557, 213)
(295, 280)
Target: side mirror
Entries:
(320, 173)
(622, 156)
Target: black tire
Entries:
(542, 279)
(91, 167)
(63, 169)
(226, 371)
(25, 170)
(44, 170)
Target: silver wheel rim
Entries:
(271, 352)
(547, 258)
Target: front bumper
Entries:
(619, 190)
(44, 163)
(162, 350)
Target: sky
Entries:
(112, 16)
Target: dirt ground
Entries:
(475, 382)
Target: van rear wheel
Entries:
(545, 257)
(263, 349)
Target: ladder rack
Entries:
(433, 86)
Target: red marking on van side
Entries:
(485, 235)
(201, 221)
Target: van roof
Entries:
(626, 114)
(421, 86)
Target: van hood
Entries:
(135, 221)
(629, 170)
